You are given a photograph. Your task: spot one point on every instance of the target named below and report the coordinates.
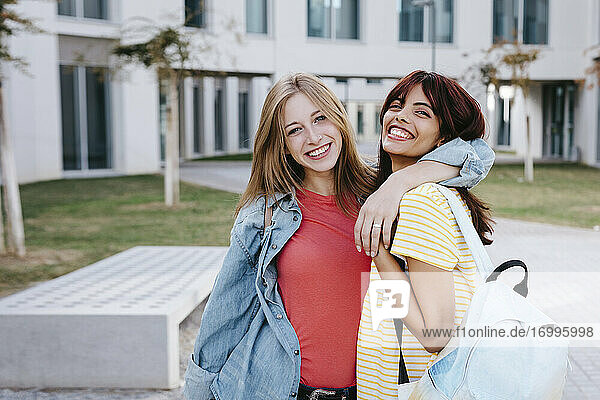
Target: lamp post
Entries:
(432, 31)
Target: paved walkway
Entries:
(565, 283)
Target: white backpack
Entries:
(483, 367)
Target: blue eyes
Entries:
(316, 120)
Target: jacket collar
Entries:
(277, 197)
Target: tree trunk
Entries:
(172, 145)
(528, 152)
(2, 245)
(16, 233)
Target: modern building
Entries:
(78, 112)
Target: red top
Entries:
(319, 277)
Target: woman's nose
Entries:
(313, 135)
(401, 116)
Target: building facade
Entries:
(79, 113)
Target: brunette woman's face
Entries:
(410, 129)
(311, 139)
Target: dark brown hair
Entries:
(459, 116)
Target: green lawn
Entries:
(564, 194)
(72, 223)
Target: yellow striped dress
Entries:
(427, 231)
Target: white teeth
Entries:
(400, 133)
(319, 151)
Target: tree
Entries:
(10, 24)
(172, 51)
(168, 50)
(509, 62)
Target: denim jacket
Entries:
(246, 347)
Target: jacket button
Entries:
(274, 246)
(279, 316)
(293, 394)
(296, 352)
(295, 218)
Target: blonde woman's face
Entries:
(311, 139)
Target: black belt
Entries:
(309, 393)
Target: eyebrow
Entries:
(296, 122)
(420, 103)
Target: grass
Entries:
(564, 194)
(73, 223)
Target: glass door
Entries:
(85, 103)
(554, 113)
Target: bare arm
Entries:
(381, 207)
(431, 303)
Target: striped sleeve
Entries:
(426, 229)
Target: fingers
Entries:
(387, 232)
(358, 230)
(375, 232)
(366, 233)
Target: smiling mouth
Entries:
(319, 151)
(401, 134)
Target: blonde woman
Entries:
(282, 319)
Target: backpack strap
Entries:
(268, 216)
(480, 255)
(402, 373)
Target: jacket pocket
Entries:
(198, 382)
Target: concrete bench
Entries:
(112, 324)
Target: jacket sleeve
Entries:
(226, 318)
(474, 157)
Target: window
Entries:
(503, 110)
(506, 20)
(256, 16)
(198, 117)
(220, 114)
(535, 24)
(414, 22)
(346, 19)
(85, 99)
(522, 20)
(336, 19)
(195, 13)
(97, 9)
(373, 81)
(360, 120)
(94, 9)
(244, 114)
(66, 7)
(410, 20)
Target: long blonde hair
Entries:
(275, 172)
